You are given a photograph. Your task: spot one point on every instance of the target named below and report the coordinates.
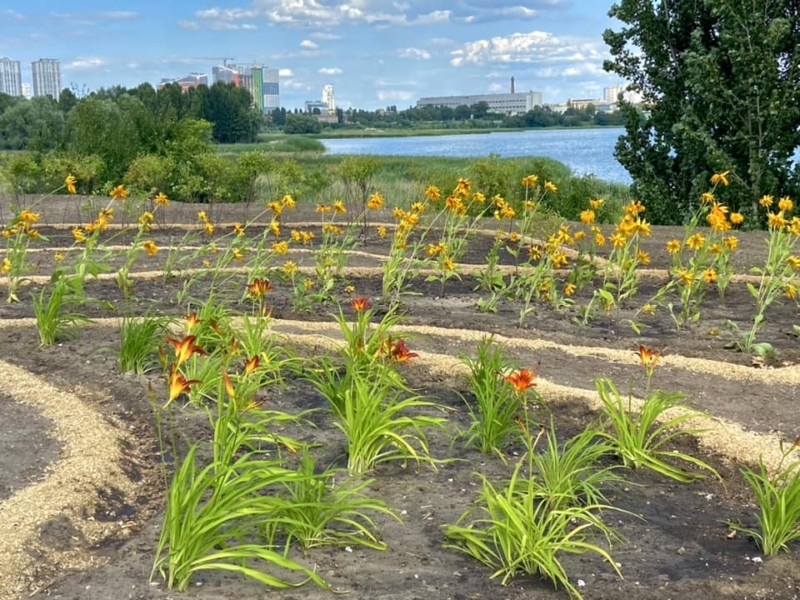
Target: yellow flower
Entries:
(322, 208)
(709, 275)
(634, 208)
(213, 248)
(209, 228)
(237, 254)
(381, 231)
(513, 237)
(579, 235)
(238, 229)
(776, 220)
(331, 228)
(596, 203)
(707, 198)
(6, 266)
(161, 199)
(686, 276)
(718, 178)
(454, 203)
(435, 249)
(791, 291)
(643, 257)
(118, 192)
(78, 235)
(599, 239)
(785, 204)
(530, 180)
(206, 263)
(69, 183)
(275, 207)
(28, 217)
(289, 268)
(462, 188)
(617, 240)
(275, 227)
(375, 201)
(58, 256)
(696, 241)
(569, 289)
(349, 289)
(280, 247)
(793, 262)
(432, 193)
(649, 309)
(766, 201)
(448, 264)
(288, 201)
(339, 207)
(418, 207)
(559, 259)
(587, 216)
(202, 216)
(732, 242)
(150, 247)
(673, 246)
(643, 227)
(550, 186)
(715, 249)
(737, 218)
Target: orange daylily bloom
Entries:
(258, 287)
(648, 356)
(400, 352)
(251, 364)
(191, 321)
(185, 348)
(360, 304)
(521, 379)
(178, 384)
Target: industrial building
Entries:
(509, 104)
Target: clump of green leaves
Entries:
(778, 498)
(140, 338)
(642, 438)
(525, 525)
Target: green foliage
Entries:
(301, 124)
(213, 512)
(51, 309)
(719, 81)
(140, 339)
(641, 439)
(318, 510)
(778, 498)
(36, 125)
(496, 408)
(523, 526)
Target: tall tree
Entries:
(720, 81)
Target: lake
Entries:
(583, 150)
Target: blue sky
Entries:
(375, 52)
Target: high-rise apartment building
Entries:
(46, 77)
(611, 93)
(328, 98)
(271, 90)
(10, 77)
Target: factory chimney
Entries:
(512, 84)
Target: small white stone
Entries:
(348, 549)
(581, 583)
(757, 559)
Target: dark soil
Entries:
(675, 541)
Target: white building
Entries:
(611, 93)
(10, 77)
(328, 98)
(46, 77)
(509, 104)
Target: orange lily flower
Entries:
(185, 348)
(360, 304)
(521, 379)
(251, 364)
(178, 384)
(191, 321)
(400, 352)
(258, 287)
(648, 357)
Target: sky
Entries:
(376, 53)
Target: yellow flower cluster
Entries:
(208, 226)
(301, 236)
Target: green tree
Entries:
(301, 124)
(720, 81)
(35, 124)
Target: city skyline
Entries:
(376, 53)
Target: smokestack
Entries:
(512, 84)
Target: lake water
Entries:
(583, 150)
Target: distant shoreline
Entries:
(390, 133)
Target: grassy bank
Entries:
(275, 143)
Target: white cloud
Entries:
(414, 53)
(495, 88)
(402, 95)
(12, 14)
(326, 36)
(285, 73)
(588, 68)
(293, 84)
(121, 14)
(86, 63)
(330, 71)
(189, 25)
(533, 47)
(309, 44)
